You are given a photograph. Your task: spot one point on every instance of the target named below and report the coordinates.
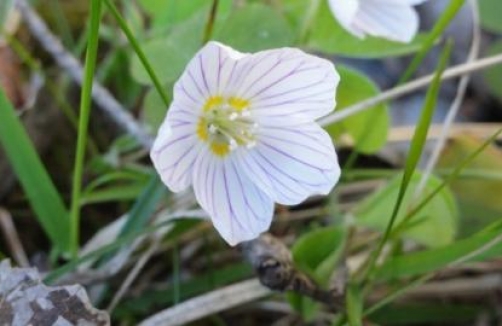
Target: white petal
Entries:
(401, 2)
(175, 149)
(394, 22)
(206, 75)
(345, 12)
(286, 82)
(392, 19)
(291, 164)
(239, 210)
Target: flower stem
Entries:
(85, 109)
(139, 52)
(208, 31)
(307, 21)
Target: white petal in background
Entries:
(238, 209)
(395, 20)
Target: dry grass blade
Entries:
(12, 238)
(209, 303)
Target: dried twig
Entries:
(275, 268)
(138, 267)
(69, 64)
(393, 93)
(480, 130)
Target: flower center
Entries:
(226, 124)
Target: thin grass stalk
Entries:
(85, 110)
(137, 48)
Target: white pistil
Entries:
(233, 126)
(212, 128)
(233, 144)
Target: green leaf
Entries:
(435, 225)
(154, 109)
(41, 192)
(368, 128)
(493, 75)
(112, 193)
(167, 58)
(482, 245)
(169, 55)
(316, 253)
(255, 27)
(489, 11)
(166, 14)
(326, 35)
(479, 196)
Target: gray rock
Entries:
(25, 300)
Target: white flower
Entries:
(395, 20)
(241, 131)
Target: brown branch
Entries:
(275, 269)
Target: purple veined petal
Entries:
(174, 152)
(218, 64)
(239, 210)
(206, 75)
(291, 164)
(287, 81)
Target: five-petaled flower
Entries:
(395, 20)
(241, 131)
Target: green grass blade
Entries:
(414, 264)
(41, 192)
(144, 206)
(141, 211)
(354, 301)
(442, 23)
(135, 45)
(451, 177)
(85, 110)
(417, 144)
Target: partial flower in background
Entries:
(395, 20)
(241, 131)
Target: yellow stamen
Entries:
(224, 124)
(220, 149)
(202, 129)
(212, 102)
(238, 104)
